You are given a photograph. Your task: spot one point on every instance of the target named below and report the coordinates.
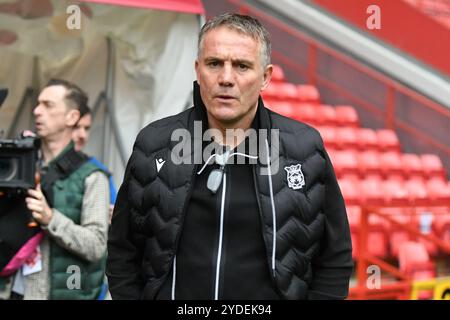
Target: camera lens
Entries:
(8, 168)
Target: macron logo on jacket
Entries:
(159, 163)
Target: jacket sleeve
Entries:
(87, 239)
(333, 266)
(125, 247)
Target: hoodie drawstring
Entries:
(228, 157)
(274, 218)
(219, 252)
(174, 276)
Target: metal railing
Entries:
(404, 286)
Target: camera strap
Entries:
(60, 170)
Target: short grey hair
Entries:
(243, 24)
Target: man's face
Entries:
(81, 132)
(230, 74)
(52, 116)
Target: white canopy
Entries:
(141, 59)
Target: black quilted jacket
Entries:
(312, 258)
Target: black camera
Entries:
(18, 161)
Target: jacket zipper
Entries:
(220, 245)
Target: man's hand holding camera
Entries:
(38, 205)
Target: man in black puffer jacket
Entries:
(229, 200)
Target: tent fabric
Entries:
(187, 6)
(153, 67)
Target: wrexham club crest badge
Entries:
(295, 177)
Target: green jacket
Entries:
(72, 277)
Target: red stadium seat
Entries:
(377, 233)
(326, 115)
(284, 108)
(438, 191)
(413, 254)
(350, 192)
(377, 240)
(288, 91)
(397, 238)
(412, 165)
(305, 112)
(328, 135)
(391, 165)
(441, 223)
(388, 140)
(332, 153)
(369, 164)
(347, 138)
(345, 164)
(271, 92)
(354, 216)
(415, 262)
(371, 191)
(417, 191)
(308, 93)
(347, 116)
(378, 244)
(367, 139)
(271, 103)
(432, 166)
(277, 74)
(281, 91)
(395, 192)
(397, 235)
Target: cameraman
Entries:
(70, 204)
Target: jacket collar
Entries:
(66, 149)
